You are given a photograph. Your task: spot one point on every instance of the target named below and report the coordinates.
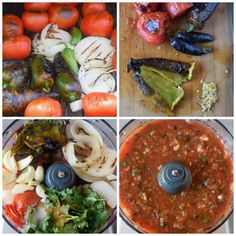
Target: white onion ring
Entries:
(76, 128)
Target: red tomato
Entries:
(39, 6)
(114, 38)
(177, 9)
(35, 21)
(92, 7)
(12, 26)
(66, 3)
(99, 104)
(22, 200)
(12, 214)
(152, 27)
(17, 48)
(16, 211)
(43, 107)
(98, 24)
(114, 59)
(64, 16)
(144, 7)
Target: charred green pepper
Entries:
(15, 74)
(170, 92)
(66, 82)
(42, 74)
(194, 37)
(182, 68)
(200, 13)
(189, 48)
(68, 87)
(76, 36)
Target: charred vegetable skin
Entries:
(194, 37)
(182, 68)
(200, 13)
(189, 48)
(66, 82)
(144, 7)
(16, 101)
(42, 74)
(152, 27)
(15, 74)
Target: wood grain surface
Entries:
(216, 67)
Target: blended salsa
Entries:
(196, 209)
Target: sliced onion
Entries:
(76, 106)
(99, 48)
(76, 128)
(83, 141)
(104, 190)
(96, 80)
(105, 166)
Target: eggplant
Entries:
(15, 101)
(66, 81)
(199, 14)
(194, 37)
(189, 48)
(182, 68)
(16, 74)
(42, 74)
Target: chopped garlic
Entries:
(209, 96)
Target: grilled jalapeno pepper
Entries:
(68, 87)
(42, 74)
(69, 57)
(200, 13)
(194, 37)
(189, 48)
(15, 74)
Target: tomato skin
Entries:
(35, 21)
(16, 211)
(97, 24)
(99, 104)
(114, 59)
(177, 9)
(65, 16)
(43, 107)
(152, 27)
(17, 48)
(66, 3)
(114, 38)
(40, 6)
(12, 26)
(92, 7)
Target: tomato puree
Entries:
(196, 209)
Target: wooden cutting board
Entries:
(214, 67)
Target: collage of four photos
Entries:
(117, 117)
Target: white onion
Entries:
(76, 105)
(96, 80)
(76, 128)
(104, 190)
(94, 48)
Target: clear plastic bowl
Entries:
(109, 137)
(216, 126)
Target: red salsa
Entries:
(196, 209)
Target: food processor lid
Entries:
(174, 177)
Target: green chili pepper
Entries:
(76, 36)
(68, 87)
(69, 56)
(42, 74)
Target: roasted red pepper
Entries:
(144, 7)
(152, 27)
(177, 9)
